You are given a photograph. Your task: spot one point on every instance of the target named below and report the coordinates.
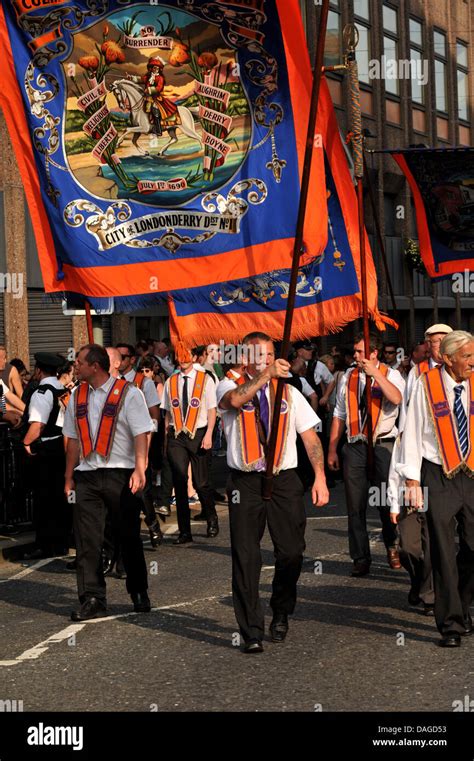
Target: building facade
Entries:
(427, 102)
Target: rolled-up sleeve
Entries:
(305, 416)
(340, 408)
(136, 412)
(211, 398)
(411, 450)
(69, 426)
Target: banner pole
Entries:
(90, 330)
(351, 38)
(297, 250)
(381, 243)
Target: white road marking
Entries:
(36, 651)
(32, 568)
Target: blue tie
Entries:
(461, 419)
(264, 409)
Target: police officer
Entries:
(44, 442)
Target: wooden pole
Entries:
(313, 115)
(90, 330)
(351, 37)
(380, 239)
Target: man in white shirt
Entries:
(433, 337)
(415, 554)
(389, 355)
(437, 463)
(153, 401)
(189, 399)
(318, 374)
(107, 425)
(246, 407)
(43, 443)
(298, 369)
(350, 413)
(138, 379)
(161, 351)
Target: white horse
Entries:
(130, 96)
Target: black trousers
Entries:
(181, 451)
(249, 514)
(450, 500)
(99, 492)
(52, 513)
(415, 553)
(357, 485)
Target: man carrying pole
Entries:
(246, 404)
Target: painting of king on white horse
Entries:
(156, 110)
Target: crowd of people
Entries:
(99, 434)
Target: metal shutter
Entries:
(105, 324)
(49, 329)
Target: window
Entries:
(390, 49)
(390, 215)
(363, 51)
(462, 73)
(417, 64)
(333, 48)
(441, 68)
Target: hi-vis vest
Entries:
(445, 426)
(252, 449)
(108, 421)
(188, 425)
(352, 406)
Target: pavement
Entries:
(353, 644)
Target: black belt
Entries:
(381, 439)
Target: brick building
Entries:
(434, 109)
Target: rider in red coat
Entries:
(164, 113)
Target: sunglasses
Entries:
(126, 356)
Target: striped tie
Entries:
(461, 419)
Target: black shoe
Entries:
(212, 527)
(72, 565)
(199, 517)
(107, 565)
(413, 598)
(91, 608)
(467, 625)
(183, 539)
(156, 535)
(141, 602)
(360, 568)
(428, 610)
(164, 510)
(279, 627)
(120, 572)
(452, 639)
(253, 646)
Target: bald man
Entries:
(115, 361)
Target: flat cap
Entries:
(438, 328)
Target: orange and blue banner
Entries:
(161, 145)
(442, 183)
(328, 294)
